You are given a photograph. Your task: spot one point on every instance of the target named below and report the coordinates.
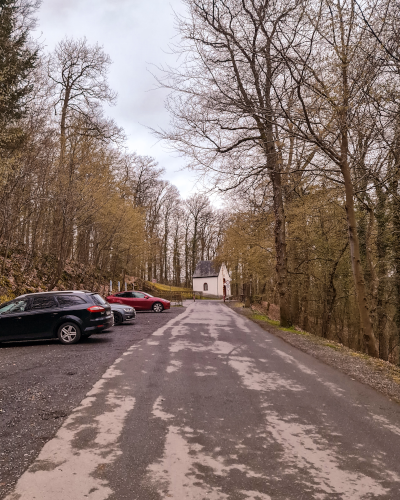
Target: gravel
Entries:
(41, 382)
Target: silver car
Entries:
(122, 313)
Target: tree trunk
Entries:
(280, 249)
(275, 173)
(330, 297)
(381, 243)
(359, 283)
(361, 295)
(396, 252)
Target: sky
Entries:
(136, 34)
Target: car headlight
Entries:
(128, 309)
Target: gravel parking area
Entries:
(41, 382)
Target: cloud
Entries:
(136, 34)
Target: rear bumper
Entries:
(99, 324)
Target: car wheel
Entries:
(117, 318)
(158, 307)
(69, 333)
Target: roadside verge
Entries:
(381, 375)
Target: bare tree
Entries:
(222, 101)
(198, 207)
(79, 74)
(332, 69)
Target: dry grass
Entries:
(167, 288)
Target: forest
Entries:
(290, 112)
(69, 186)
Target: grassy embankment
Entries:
(167, 288)
(187, 293)
(378, 365)
(258, 316)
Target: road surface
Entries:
(212, 407)
(42, 381)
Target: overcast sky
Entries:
(135, 33)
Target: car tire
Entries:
(158, 307)
(69, 333)
(118, 319)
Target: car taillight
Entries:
(94, 309)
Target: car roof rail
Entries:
(53, 292)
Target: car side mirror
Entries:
(146, 296)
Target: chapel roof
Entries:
(206, 268)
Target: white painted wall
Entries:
(215, 283)
(223, 273)
(212, 285)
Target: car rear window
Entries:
(97, 299)
(43, 303)
(70, 300)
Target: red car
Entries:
(140, 301)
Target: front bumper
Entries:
(126, 316)
(129, 316)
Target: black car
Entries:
(66, 315)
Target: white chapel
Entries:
(211, 279)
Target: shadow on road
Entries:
(53, 342)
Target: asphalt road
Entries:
(210, 406)
(41, 382)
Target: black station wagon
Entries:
(68, 315)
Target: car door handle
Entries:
(54, 314)
(19, 317)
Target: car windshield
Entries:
(6, 307)
(148, 295)
(97, 299)
(14, 306)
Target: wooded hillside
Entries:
(70, 190)
(292, 109)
